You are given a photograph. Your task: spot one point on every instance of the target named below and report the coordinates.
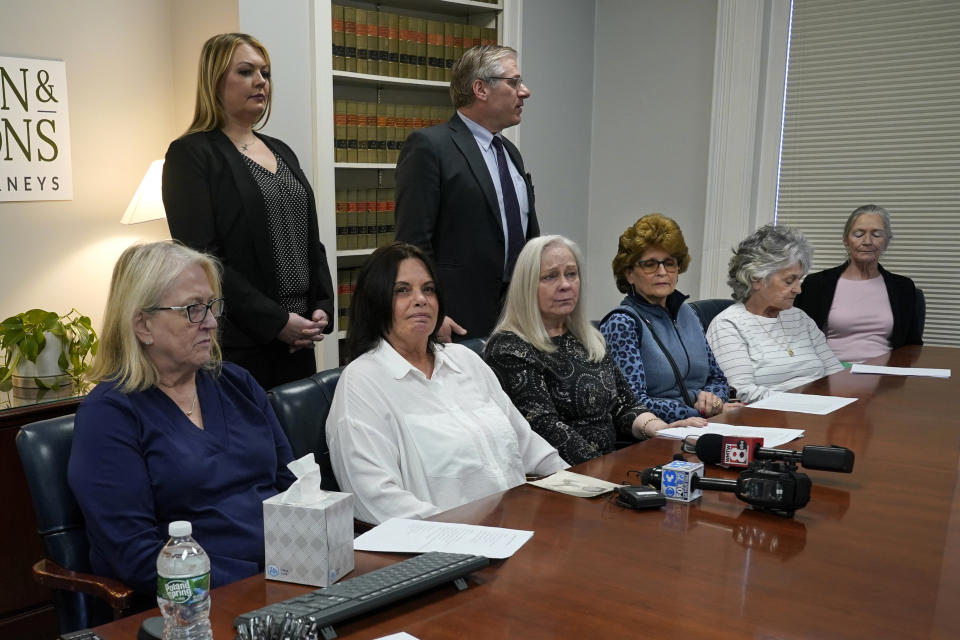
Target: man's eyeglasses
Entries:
(197, 312)
(670, 265)
(513, 82)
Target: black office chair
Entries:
(302, 407)
(44, 449)
(920, 313)
(474, 344)
(708, 309)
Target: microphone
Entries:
(713, 448)
(775, 487)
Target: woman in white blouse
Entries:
(416, 427)
(763, 343)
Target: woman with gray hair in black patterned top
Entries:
(554, 364)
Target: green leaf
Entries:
(5, 373)
(36, 316)
(44, 384)
(6, 385)
(30, 348)
(41, 343)
(62, 361)
(13, 337)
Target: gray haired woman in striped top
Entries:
(763, 343)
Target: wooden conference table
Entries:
(875, 554)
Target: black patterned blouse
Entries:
(287, 210)
(578, 406)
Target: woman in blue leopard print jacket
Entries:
(650, 257)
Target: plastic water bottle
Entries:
(183, 586)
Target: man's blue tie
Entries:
(511, 207)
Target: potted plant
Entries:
(29, 339)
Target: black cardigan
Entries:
(819, 288)
(214, 205)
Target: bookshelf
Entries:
(333, 174)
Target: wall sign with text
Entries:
(34, 130)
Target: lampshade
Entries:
(147, 202)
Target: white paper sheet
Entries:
(772, 436)
(574, 484)
(401, 535)
(900, 371)
(403, 635)
(802, 403)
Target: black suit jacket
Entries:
(818, 290)
(447, 206)
(214, 205)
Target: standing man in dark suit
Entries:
(463, 195)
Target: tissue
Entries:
(306, 490)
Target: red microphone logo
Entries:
(738, 451)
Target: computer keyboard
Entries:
(329, 605)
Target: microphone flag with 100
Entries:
(712, 448)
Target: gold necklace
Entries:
(194, 403)
(787, 346)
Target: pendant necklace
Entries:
(193, 404)
(786, 347)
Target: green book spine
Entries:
(350, 38)
(361, 29)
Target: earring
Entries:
(148, 342)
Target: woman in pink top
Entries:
(863, 309)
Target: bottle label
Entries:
(183, 590)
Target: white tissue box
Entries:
(310, 544)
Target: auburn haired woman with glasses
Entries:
(171, 432)
(656, 337)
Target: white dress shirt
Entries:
(754, 351)
(409, 447)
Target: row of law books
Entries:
(399, 46)
(365, 218)
(346, 282)
(372, 132)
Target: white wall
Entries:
(58, 255)
(651, 129)
(557, 63)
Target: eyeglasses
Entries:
(670, 265)
(513, 82)
(197, 312)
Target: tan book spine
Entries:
(351, 131)
(340, 209)
(471, 36)
(350, 38)
(448, 39)
(381, 132)
(383, 30)
(371, 219)
(362, 53)
(353, 229)
(393, 42)
(409, 118)
(362, 132)
(488, 35)
(382, 210)
(338, 37)
(421, 116)
(392, 144)
(403, 36)
(420, 34)
(434, 50)
(391, 215)
(372, 126)
(339, 130)
(457, 42)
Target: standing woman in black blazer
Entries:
(242, 197)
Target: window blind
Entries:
(872, 116)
